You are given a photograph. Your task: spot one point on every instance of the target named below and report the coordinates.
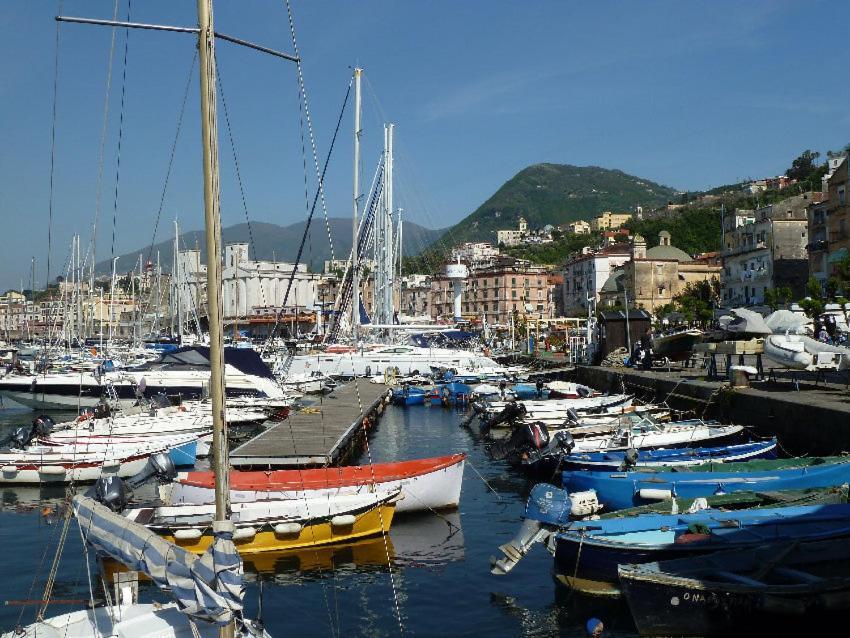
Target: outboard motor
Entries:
(110, 491)
(161, 400)
(20, 438)
(510, 413)
(102, 411)
(583, 391)
(630, 458)
(539, 385)
(160, 466)
(524, 438)
(572, 415)
(547, 510)
(42, 425)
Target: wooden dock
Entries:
(319, 435)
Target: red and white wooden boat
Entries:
(425, 484)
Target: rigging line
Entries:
(384, 529)
(52, 153)
(170, 165)
(303, 90)
(273, 332)
(98, 198)
(120, 138)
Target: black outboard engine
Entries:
(583, 391)
(101, 411)
(525, 438)
(510, 413)
(161, 400)
(630, 458)
(539, 385)
(20, 438)
(160, 466)
(110, 491)
(42, 425)
(572, 415)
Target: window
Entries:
(513, 294)
(842, 198)
(513, 281)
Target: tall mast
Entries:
(355, 275)
(175, 276)
(388, 252)
(212, 224)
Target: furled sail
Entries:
(208, 587)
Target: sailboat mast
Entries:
(212, 224)
(355, 275)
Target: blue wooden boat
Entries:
(550, 509)
(530, 391)
(184, 455)
(674, 457)
(780, 589)
(410, 395)
(618, 490)
(587, 553)
(454, 392)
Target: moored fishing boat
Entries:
(587, 553)
(425, 484)
(273, 525)
(678, 346)
(618, 490)
(624, 459)
(783, 587)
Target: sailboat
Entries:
(207, 591)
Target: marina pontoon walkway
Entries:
(319, 435)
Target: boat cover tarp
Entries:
(748, 321)
(443, 337)
(243, 359)
(782, 321)
(207, 587)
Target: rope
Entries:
(310, 124)
(54, 568)
(483, 480)
(52, 152)
(273, 332)
(171, 161)
(120, 137)
(380, 513)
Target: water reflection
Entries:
(429, 540)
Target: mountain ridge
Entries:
(273, 241)
(548, 193)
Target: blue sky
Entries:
(687, 94)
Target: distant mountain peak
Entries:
(548, 193)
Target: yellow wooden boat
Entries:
(268, 526)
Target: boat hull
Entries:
(372, 522)
(425, 484)
(619, 490)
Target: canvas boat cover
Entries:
(782, 321)
(747, 321)
(207, 587)
(245, 360)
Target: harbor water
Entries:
(429, 577)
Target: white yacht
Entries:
(185, 372)
(405, 359)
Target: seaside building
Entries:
(765, 248)
(585, 274)
(609, 220)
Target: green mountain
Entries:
(271, 241)
(556, 194)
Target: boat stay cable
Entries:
(273, 332)
(115, 199)
(384, 532)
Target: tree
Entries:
(804, 166)
(814, 288)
